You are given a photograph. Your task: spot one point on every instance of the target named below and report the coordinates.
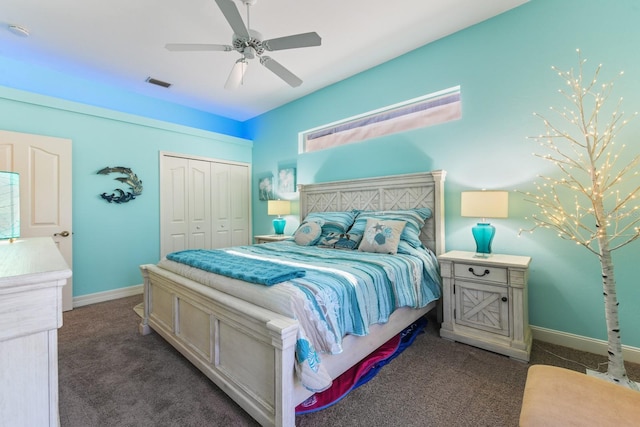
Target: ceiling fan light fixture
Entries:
(236, 76)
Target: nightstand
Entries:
(485, 302)
(265, 238)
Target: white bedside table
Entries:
(485, 302)
(270, 238)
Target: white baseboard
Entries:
(578, 342)
(107, 295)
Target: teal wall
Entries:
(110, 241)
(504, 69)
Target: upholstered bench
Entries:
(560, 397)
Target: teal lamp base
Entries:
(483, 233)
(278, 225)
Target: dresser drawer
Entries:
(480, 273)
(29, 312)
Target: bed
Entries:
(249, 351)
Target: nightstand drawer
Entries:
(481, 273)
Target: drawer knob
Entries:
(504, 299)
(484, 273)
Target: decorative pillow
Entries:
(332, 222)
(340, 241)
(307, 234)
(381, 236)
(414, 218)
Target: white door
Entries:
(174, 204)
(230, 204)
(185, 204)
(221, 209)
(44, 165)
(204, 203)
(199, 204)
(239, 204)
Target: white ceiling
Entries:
(121, 43)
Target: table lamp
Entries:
(9, 205)
(484, 204)
(279, 207)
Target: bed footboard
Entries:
(245, 350)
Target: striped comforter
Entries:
(343, 292)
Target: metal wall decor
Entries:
(131, 180)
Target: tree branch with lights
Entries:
(594, 203)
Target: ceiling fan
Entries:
(249, 44)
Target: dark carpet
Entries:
(109, 375)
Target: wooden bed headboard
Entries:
(395, 192)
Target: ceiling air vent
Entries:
(157, 82)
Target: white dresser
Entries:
(32, 274)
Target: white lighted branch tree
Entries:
(593, 202)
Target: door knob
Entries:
(62, 234)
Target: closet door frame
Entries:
(165, 204)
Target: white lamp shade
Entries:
(278, 207)
(9, 205)
(485, 204)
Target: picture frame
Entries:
(287, 180)
(265, 188)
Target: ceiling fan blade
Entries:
(292, 42)
(191, 47)
(232, 15)
(236, 76)
(286, 75)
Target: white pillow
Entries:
(381, 236)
